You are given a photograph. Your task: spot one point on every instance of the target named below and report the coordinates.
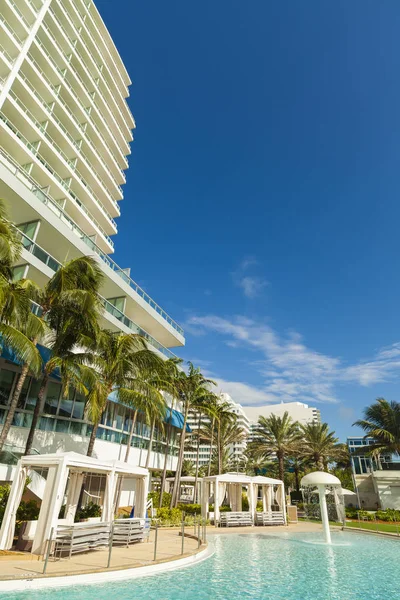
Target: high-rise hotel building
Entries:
(65, 130)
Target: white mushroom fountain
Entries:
(324, 482)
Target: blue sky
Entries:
(262, 204)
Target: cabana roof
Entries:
(185, 479)
(82, 463)
(230, 478)
(266, 480)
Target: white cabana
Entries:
(228, 485)
(62, 468)
(186, 491)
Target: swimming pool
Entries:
(262, 567)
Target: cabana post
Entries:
(61, 466)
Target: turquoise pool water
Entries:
(261, 567)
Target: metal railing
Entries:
(17, 39)
(21, 16)
(74, 95)
(54, 265)
(89, 74)
(54, 173)
(72, 115)
(113, 310)
(46, 199)
(68, 160)
(76, 145)
(79, 78)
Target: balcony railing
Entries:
(89, 163)
(57, 177)
(113, 310)
(90, 75)
(17, 39)
(79, 78)
(46, 199)
(57, 148)
(73, 94)
(72, 116)
(54, 265)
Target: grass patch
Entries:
(371, 526)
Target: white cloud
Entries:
(252, 285)
(292, 371)
(246, 394)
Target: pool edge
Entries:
(30, 584)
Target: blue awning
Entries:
(176, 419)
(9, 354)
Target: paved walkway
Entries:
(169, 548)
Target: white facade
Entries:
(298, 411)
(65, 130)
(236, 450)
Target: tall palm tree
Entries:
(15, 297)
(382, 423)
(275, 436)
(228, 432)
(190, 388)
(205, 406)
(119, 361)
(317, 444)
(71, 307)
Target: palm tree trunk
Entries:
(320, 463)
(129, 442)
(93, 436)
(36, 413)
(153, 424)
(296, 479)
(197, 461)
(211, 445)
(177, 482)
(281, 465)
(164, 475)
(219, 448)
(13, 405)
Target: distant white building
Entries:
(237, 449)
(298, 411)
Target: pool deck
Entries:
(17, 566)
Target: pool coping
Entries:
(100, 577)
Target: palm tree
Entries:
(34, 328)
(220, 411)
(382, 423)
(190, 387)
(275, 436)
(204, 406)
(15, 297)
(317, 444)
(71, 307)
(188, 468)
(119, 362)
(228, 433)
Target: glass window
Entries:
(6, 382)
(52, 396)
(128, 420)
(62, 426)
(29, 229)
(79, 407)
(65, 409)
(77, 428)
(2, 415)
(46, 424)
(18, 273)
(24, 393)
(22, 419)
(119, 416)
(32, 395)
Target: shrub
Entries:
(169, 516)
(88, 512)
(155, 496)
(259, 507)
(190, 509)
(245, 502)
